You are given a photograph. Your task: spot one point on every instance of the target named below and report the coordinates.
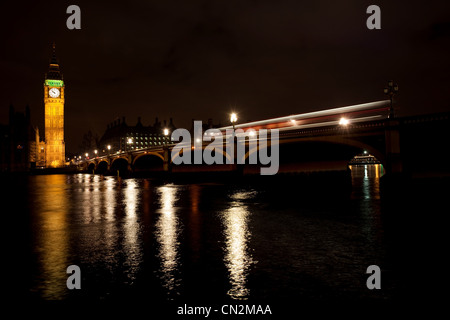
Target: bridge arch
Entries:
(150, 161)
(380, 155)
(102, 167)
(91, 167)
(119, 164)
(118, 158)
(148, 154)
(375, 151)
(222, 151)
(315, 154)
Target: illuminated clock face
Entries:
(54, 93)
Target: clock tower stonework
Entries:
(54, 115)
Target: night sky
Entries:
(204, 59)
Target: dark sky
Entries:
(203, 59)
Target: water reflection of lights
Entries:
(109, 240)
(52, 238)
(131, 198)
(95, 204)
(237, 235)
(195, 220)
(366, 181)
(131, 227)
(366, 184)
(166, 234)
(110, 198)
(366, 189)
(371, 182)
(90, 187)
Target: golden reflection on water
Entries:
(167, 237)
(91, 198)
(237, 235)
(131, 228)
(367, 178)
(109, 198)
(96, 194)
(52, 238)
(108, 239)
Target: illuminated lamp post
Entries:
(344, 122)
(166, 133)
(233, 119)
(391, 90)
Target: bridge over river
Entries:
(321, 141)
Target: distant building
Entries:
(18, 142)
(122, 137)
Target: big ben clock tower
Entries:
(54, 115)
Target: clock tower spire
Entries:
(54, 114)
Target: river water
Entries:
(203, 242)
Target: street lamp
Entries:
(391, 90)
(233, 119)
(343, 121)
(166, 133)
(87, 155)
(95, 151)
